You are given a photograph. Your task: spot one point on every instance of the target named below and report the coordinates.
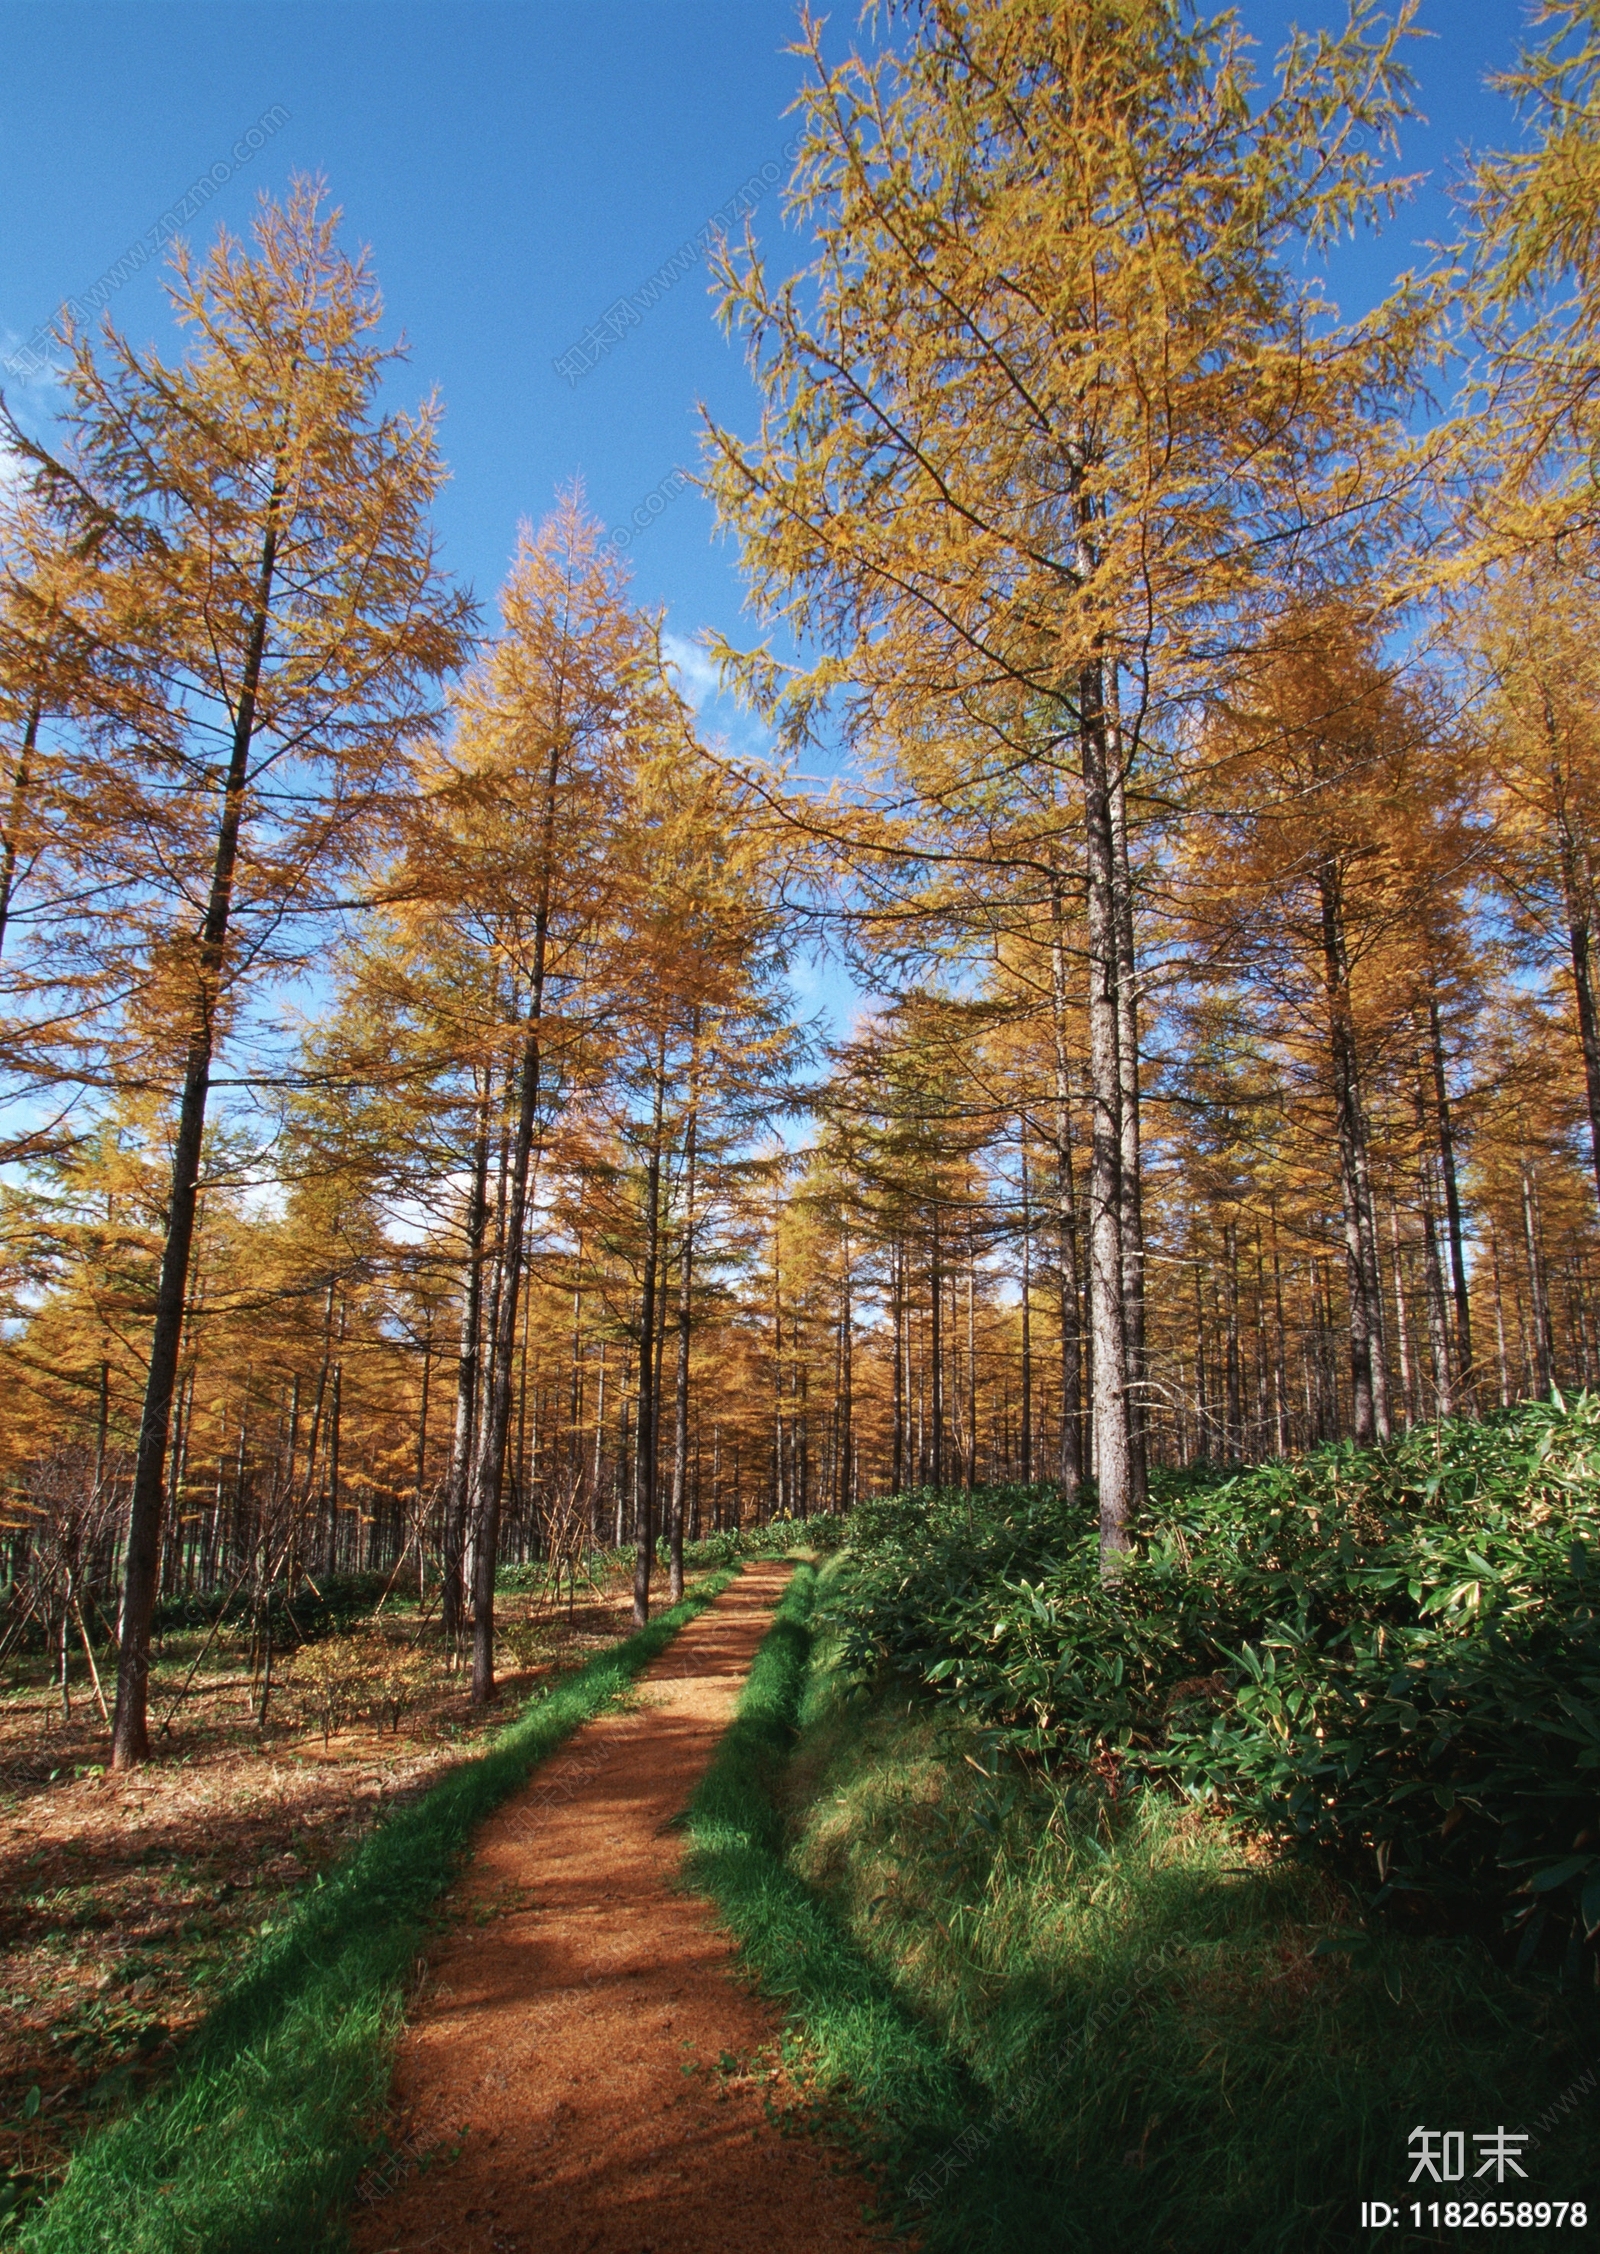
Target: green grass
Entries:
(1069, 2021)
(255, 2144)
(908, 2095)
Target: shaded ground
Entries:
(578, 2073)
(126, 1902)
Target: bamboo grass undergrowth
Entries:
(256, 2142)
(1069, 2020)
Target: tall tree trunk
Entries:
(489, 1455)
(458, 1498)
(303, 1509)
(422, 1421)
(847, 1376)
(16, 813)
(897, 1472)
(971, 1467)
(130, 1728)
(1070, 1465)
(1408, 1391)
(598, 1456)
(525, 1457)
(1025, 1437)
(658, 1391)
(1351, 1131)
(777, 1372)
(335, 1421)
(1231, 1371)
(1113, 1462)
(1261, 1358)
(936, 1347)
(102, 1427)
(1452, 1207)
(624, 1472)
(1499, 1322)
(1280, 1384)
(647, 1423)
(1439, 1340)
(1580, 938)
(680, 1399)
(494, 1269)
(575, 1381)
(1433, 1280)
(1538, 1293)
(293, 1455)
(1131, 1156)
(1379, 1317)
(1577, 893)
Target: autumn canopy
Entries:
(417, 1159)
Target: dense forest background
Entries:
(416, 1160)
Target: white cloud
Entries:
(714, 701)
(697, 676)
(31, 364)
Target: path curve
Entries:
(554, 2027)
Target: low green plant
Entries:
(333, 1680)
(1390, 1655)
(910, 2094)
(1065, 2017)
(399, 1672)
(334, 1602)
(774, 1539)
(521, 1643)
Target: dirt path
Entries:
(553, 2035)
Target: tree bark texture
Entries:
(1107, 1307)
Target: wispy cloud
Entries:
(699, 681)
(714, 701)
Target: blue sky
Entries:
(515, 169)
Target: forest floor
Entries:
(579, 2072)
(127, 1902)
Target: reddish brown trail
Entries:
(550, 2039)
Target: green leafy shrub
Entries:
(775, 1539)
(1071, 2019)
(332, 1604)
(1392, 1655)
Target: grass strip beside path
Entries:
(890, 2088)
(255, 2144)
(1069, 2023)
